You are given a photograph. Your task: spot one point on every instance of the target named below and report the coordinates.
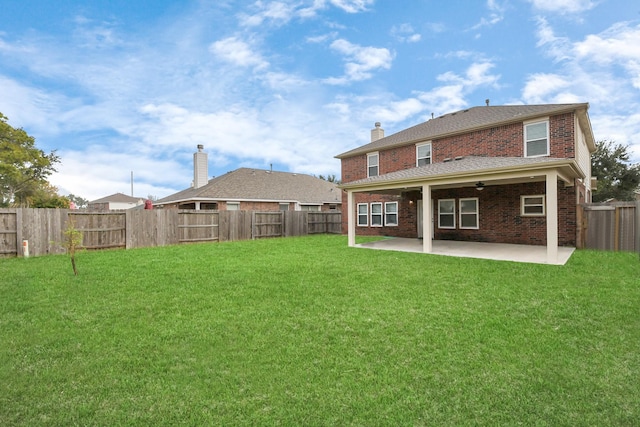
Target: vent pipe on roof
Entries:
(487, 101)
(377, 133)
(200, 168)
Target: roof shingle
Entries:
(464, 121)
(258, 184)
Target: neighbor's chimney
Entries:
(377, 133)
(200, 168)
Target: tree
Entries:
(24, 169)
(80, 202)
(617, 177)
(330, 178)
(46, 196)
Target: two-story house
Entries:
(500, 174)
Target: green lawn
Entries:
(306, 331)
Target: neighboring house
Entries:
(113, 202)
(502, 174)
(255, 190)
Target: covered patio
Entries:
(476, 173)
(493, 251)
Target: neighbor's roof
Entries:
(117, 198)
(468, 120)
(469, 165)
(263, 185)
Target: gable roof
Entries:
(261, 185)
(117, 198)
(469, 120)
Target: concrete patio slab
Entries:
(494, 251)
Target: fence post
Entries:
(637, 230)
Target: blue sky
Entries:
(120, 86)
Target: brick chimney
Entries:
(377, 133)
(200, 168)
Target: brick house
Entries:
(499, 174)
(117, 201)
(254, 190)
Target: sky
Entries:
(125, 88)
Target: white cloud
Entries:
(496, 15)
(352, 6)
(618, 44)
(405, 33)
(557, 47)
(361, 61)
(563, 6)
(276, 12)
(238, 52)
(539, 86)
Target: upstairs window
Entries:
(536, 139)
(372, 164)
(423, 154)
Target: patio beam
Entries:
(427, 226)
(351, 225)
(552, 217)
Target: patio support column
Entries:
(426, 219)
(351, 225)
(552, 217)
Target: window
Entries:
(372, 164)
(391, 213)
(536, 139)
(212, 205)
(447, 213)
(310, 208)
(532, 205)
(469, 213)
(233, 206)
(423, 154)
(363, 214)
(284, 206)
(376, 214)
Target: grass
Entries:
(306, 331)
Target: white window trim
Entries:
(430, 153)
(369, 165)
(476, 213)
(394, 213)
(381, 214)
(447, 213)
(544, 205)
(236, 204)
(524, 136)
(366, 215)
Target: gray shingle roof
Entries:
(465, 165)
(464, 121)
(258, 184)
(117, 198)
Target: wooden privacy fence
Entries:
(44, 229)
(609, 226)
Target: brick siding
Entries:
(500, 219)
